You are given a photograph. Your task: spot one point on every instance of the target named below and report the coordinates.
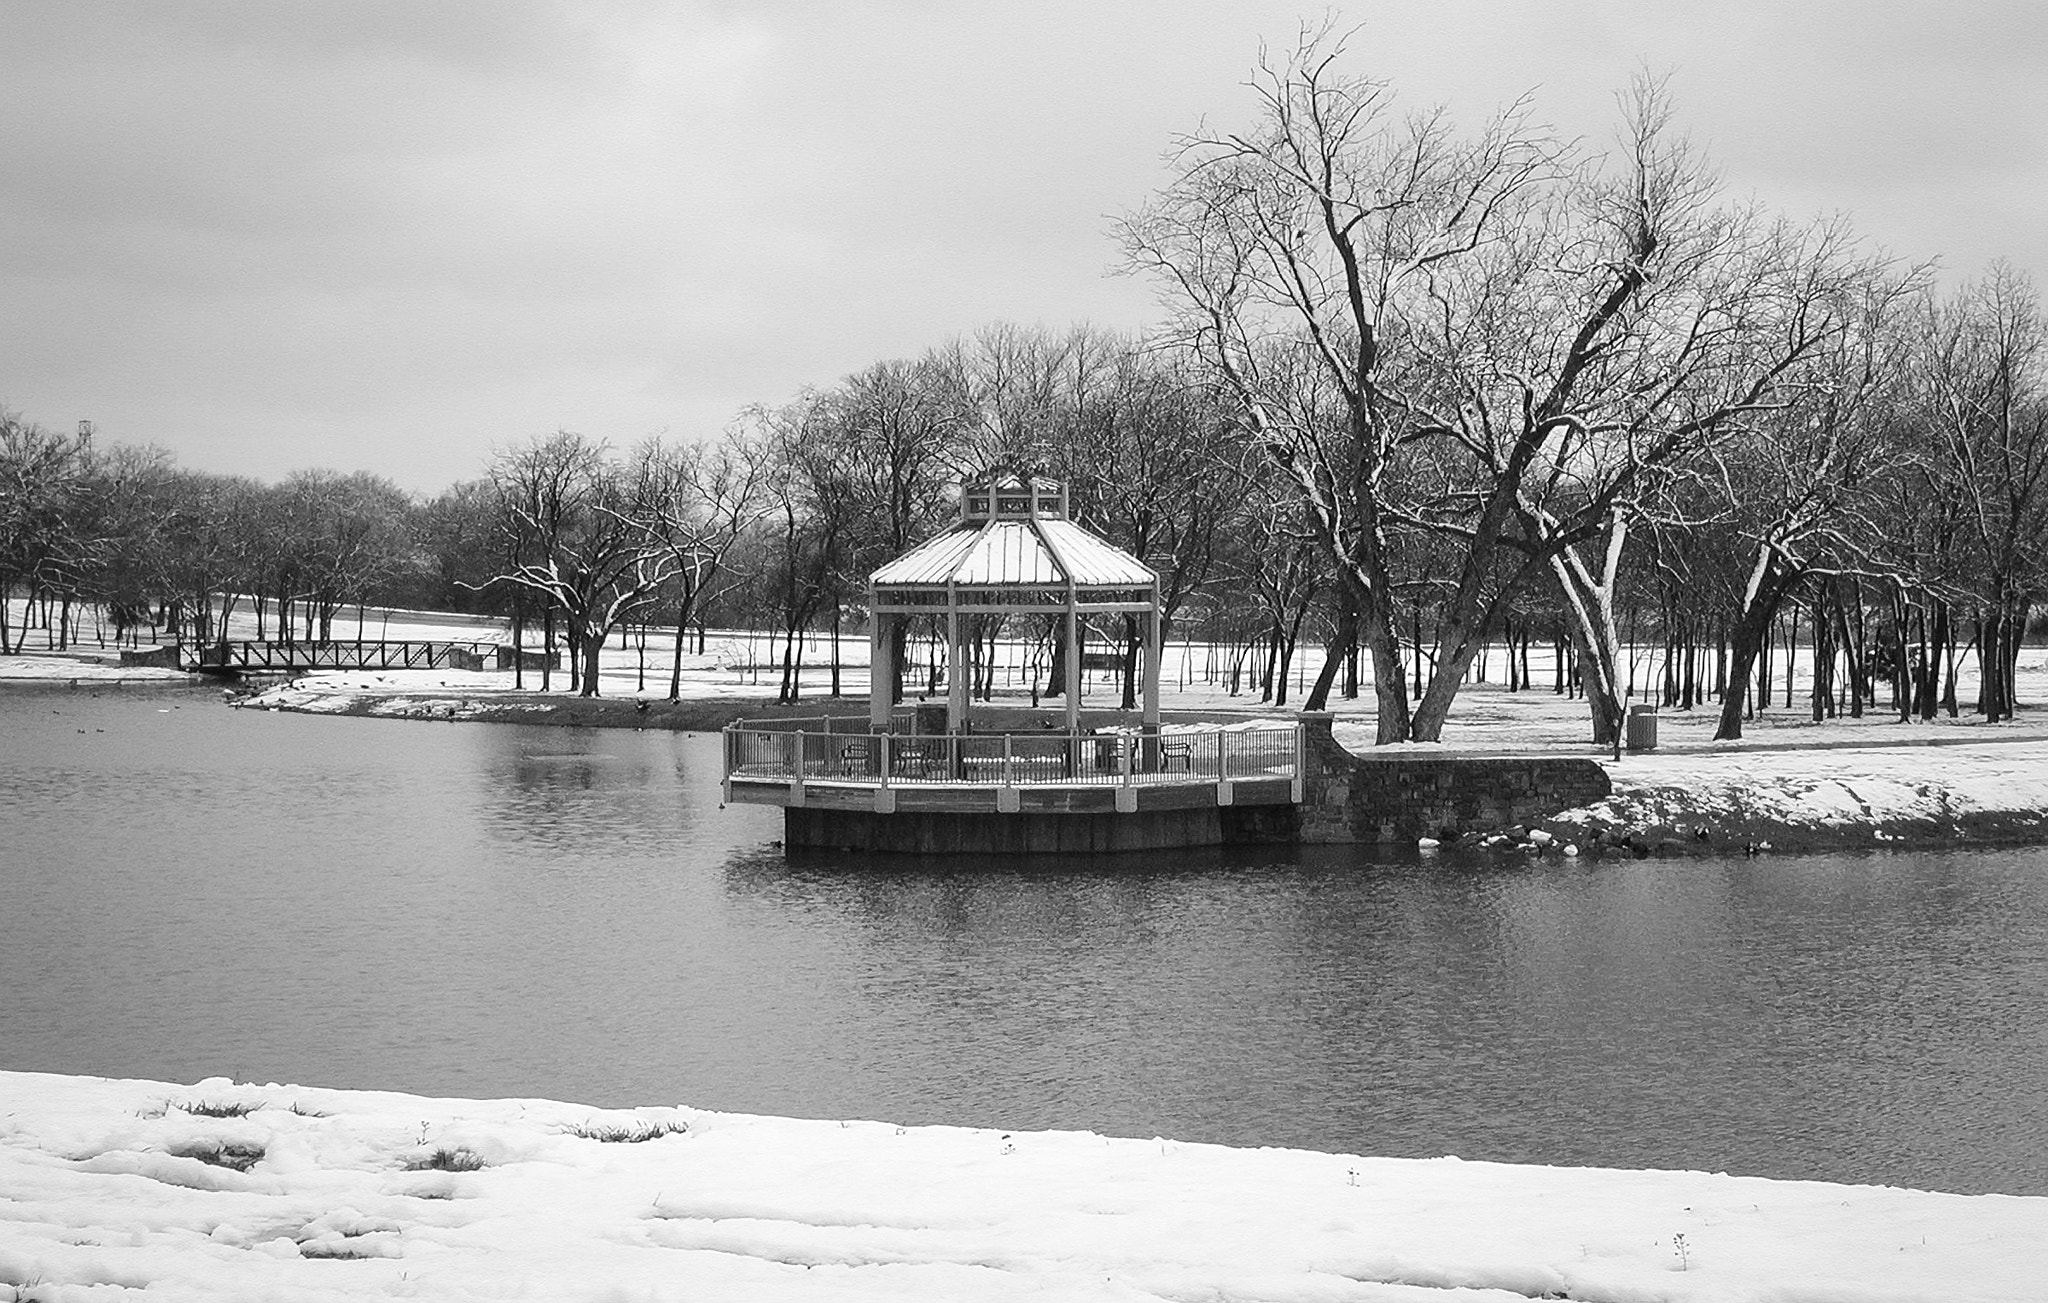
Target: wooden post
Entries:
(1150, 717)
(1073, 686)
(881, 670)
(1153, 652)
(1075, 760)
(956, 666)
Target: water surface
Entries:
(490, 910)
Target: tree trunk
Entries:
(547, 643)
(1823, 694)
(1742, 655)
(593, 650)
(1133, 637)
(1342, 650)
(1389, 686)
(1945, 641)
(675, 669)
(1766, 589)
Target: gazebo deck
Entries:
(840, 764)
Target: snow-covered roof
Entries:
(1004, 553)
(1014, 549)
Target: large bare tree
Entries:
(1491, 338)
(1292, 255)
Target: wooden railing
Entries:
(773, 751)
(238, 656)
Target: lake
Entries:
(188, 890)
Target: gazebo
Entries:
(1013, 552)
(888, 783)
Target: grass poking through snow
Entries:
(628, 1133)
(234, 1155)
(448, 1160)
(219, 1108)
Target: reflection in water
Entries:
(489, 910)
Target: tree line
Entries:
(1419, 394)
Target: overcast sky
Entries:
(393, 235)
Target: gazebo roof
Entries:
(1014, 550)
(1004, 553)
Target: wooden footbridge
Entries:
(288, 657)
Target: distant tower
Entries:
(85, 431)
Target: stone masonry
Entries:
(1403, 796)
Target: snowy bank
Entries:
(219, 1190)
(84, 668)
(1941, 791)
(489, 697)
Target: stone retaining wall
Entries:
(155, 657)
(1402, 796)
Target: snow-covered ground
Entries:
(1835, 794)
(1788, 772)
(120, 1189)
(50, 667)
(329, 691)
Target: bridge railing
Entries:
(343, 655)
(773, 752)
(901, 720)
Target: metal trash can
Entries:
(1642, 728)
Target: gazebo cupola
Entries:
(1012, 552)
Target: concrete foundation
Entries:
(915, 832)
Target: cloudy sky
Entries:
(393, 234)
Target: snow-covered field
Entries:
(129, 1189)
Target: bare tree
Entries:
(344, 537)
(1802, 489)
(703, 500)
(43, 480)
(1987, 411)
(1289, 254)
(579, 521)
(1151, 465)
(1516, 340)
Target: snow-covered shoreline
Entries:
(1793, 785)
(84, 668)
(108, 1187)
(1867, 786)
(1935, 791)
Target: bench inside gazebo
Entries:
(884, 783)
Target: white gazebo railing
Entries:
(847, 752)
